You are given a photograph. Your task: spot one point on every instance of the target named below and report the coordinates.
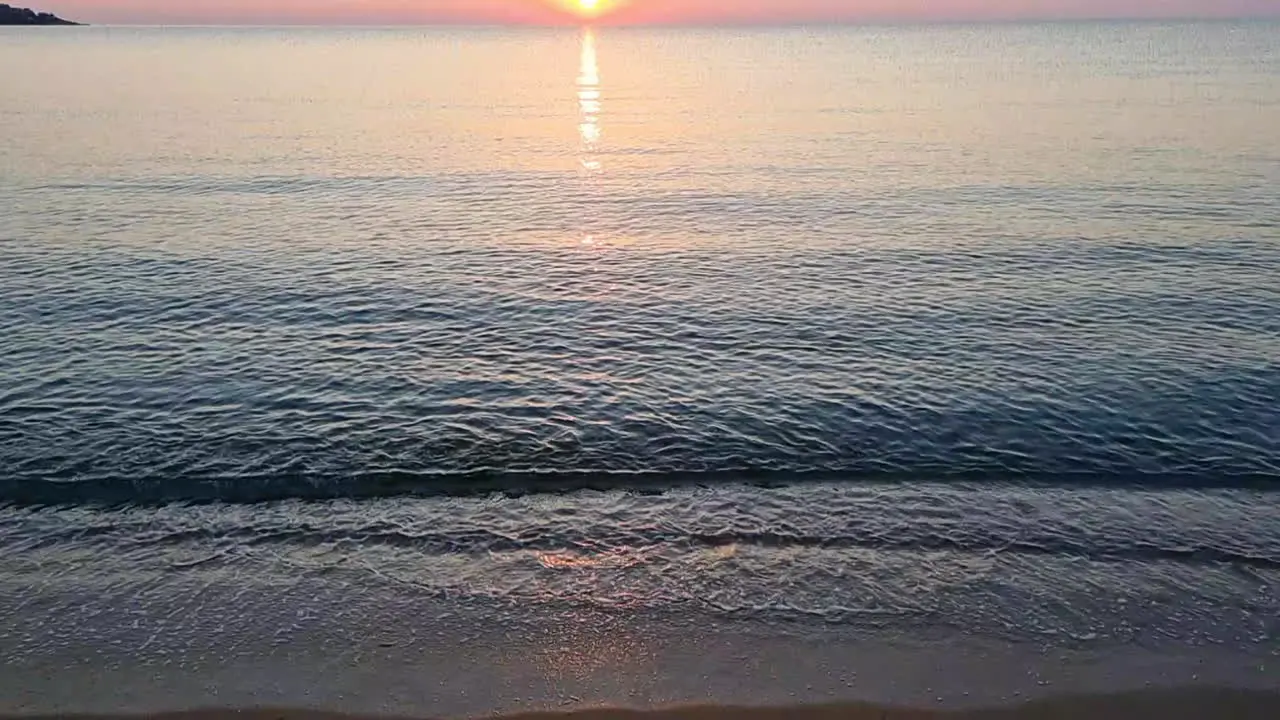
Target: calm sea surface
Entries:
(967, 327)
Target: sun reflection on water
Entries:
(589, 101)
(590, 107)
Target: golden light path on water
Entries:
(589, 100)
(590, 105)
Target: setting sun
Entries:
(589, 8)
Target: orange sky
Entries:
(634, 11)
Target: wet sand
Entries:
(1189, 704)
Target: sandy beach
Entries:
(1188, 704)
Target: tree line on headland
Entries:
(22, 16)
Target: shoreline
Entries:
(1174, 704)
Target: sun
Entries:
(590, 8)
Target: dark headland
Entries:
(22, 16)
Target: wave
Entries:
(1117, 549)
(254, 488)
(1006, 556)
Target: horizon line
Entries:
(724, 24)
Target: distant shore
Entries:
(1185, 704)
(10, 15)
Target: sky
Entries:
(626, 11)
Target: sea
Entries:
(453, 371)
